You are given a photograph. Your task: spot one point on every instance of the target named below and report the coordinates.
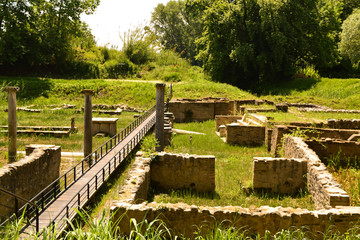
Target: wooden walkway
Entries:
(78, 194)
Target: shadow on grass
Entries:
(183, 193)
(286, 87)
(266, 194)
(30, 88)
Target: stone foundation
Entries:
(279, 175)
(185, 220)
(343, 149)
(30, 175)
(245, 135)
(325, 191)
(280, 130)
(178, 171)
(223, 120)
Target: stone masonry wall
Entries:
(344, 123)
(225, 119)
(245, 135)
(280, 130)
(185, 220)
(178, 171)
(279, 174)
(30, 175)
(328, 148)
(136, 186)
(188, 111)
(323, 187)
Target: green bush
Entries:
(172, 77)
(117, 68)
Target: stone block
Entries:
(245, 135)
(279, 175)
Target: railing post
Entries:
(88, 191)
(42, 200)
(103, 174)
(109, 167)
(65, 180)
(82, 167)
(74, 173)
(79, 200)
(37, 219)
(67, 211)
(16, 207)
(96, 180)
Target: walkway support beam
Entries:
(159, 125)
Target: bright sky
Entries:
(114, 17)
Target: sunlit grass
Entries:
(233, 172)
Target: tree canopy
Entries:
(41, 32)
(350, 38)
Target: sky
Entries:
(114, 17)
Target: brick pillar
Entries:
(12, 122)
(88, 122)
(159, 126)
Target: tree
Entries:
(176, 29)
(246, 42)
(40, 32)
(350, 38)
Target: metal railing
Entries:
(61, 184)
(16, 205)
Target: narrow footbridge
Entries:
(57, 203)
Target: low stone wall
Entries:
(136, 186)
(30, 175)
(225, 119)
(245, 135)
(279, 175)
(323, 187)
(280, 130)
(344, 123)
(185, 220)
(179, 171)
(328, 148)
(188, 111)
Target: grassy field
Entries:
(233, 172)
(73, 143)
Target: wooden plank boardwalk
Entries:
(77, 195)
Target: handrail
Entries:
(90, 188)
(17, 196)
(17, 208)
(62, 183)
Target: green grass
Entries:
(331, 92)
(73, 143)
(233, 172)
(102, 227)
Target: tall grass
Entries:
(105, 228)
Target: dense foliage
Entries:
(41, 33)
(350, 38)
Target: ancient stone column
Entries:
(159, 126)
(12, 122)
(88, 122)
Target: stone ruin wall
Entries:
(279, 131)
(325, 191)
(279, 175)
(245, 135)
(30, 175)
(183, 171)
(329, 148)
(183, 219)
(186, 220)
(188, 111)
(225, 119)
